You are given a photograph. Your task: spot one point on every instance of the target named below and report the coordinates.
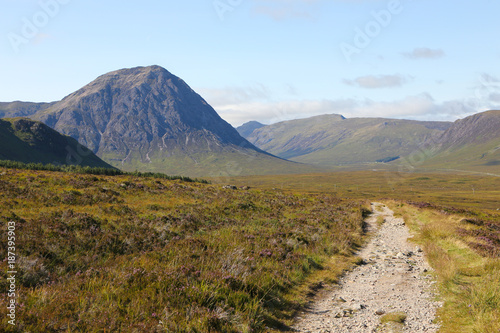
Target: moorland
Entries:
(109, 253)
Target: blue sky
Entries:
(266, 60)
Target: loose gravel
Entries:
(394, 277)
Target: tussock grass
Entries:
(396, 317)
(134, 254)
(380, 220)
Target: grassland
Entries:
(99, 253)
(467, 191)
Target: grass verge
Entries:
(464, 252)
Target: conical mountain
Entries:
(148, 119)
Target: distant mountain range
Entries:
(147, 119)
(21, 109)
(29, 141)
(332, 140)
(472, 143)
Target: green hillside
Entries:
(28, 141)
(470, 144)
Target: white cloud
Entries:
(420, 107)
(376, 82)
(424, 53)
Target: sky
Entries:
(266, 60)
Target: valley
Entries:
(114, 233)
(262, 166)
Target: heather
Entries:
(100, 253)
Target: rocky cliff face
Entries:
(144, 108)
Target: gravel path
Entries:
(391, 279)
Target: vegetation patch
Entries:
(396, 317)
(128, 253)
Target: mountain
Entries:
(148, 119)
(21, 109)
(29, 141)
(472, 143)
(331, 140)
(247, 129)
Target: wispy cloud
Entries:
(285, 9)
(235, 95)
(377, 82)
(424, 53)
(486, 92)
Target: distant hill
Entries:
(148, 119)
(29, 141)
(472, 143)
(247, 129)
(332, 140)
(21, 109)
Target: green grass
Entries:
(230, 161)
(103, 253)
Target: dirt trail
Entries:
(392, 279)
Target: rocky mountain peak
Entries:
(143, 115)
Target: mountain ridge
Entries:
(472, 143)
(333, 140)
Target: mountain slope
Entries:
(28, 141)
(247, 129)
(330, 140)
(472, 143)
(147, 119)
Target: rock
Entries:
(358, 307)
(380, 312)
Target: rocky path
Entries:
(391, 281)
